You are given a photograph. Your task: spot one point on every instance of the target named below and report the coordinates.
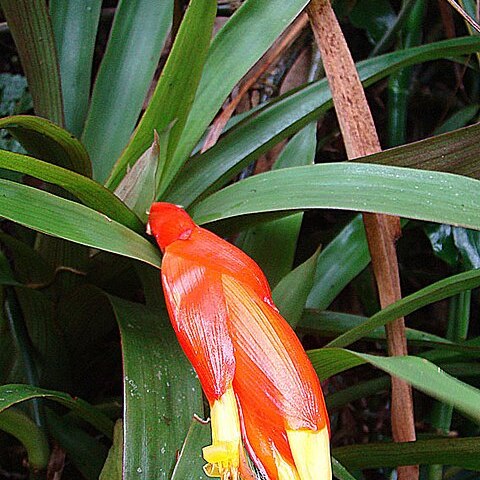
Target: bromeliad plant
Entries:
(76, 266)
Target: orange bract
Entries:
(253, 370)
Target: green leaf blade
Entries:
(62, 218)
(132, 54)
(461, 452)
(431, 196)
(13, 394)
(32, 31)
(437, 291)
(49, 142)
(419, 372)
(174, 93)
(264, 128)
(75, 28)
(86, 190)
(235, 49)
(161, 392)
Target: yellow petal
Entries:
(285, 471)
(311, 452)
(223, 456)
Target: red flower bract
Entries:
(263, 391)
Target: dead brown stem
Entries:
(360, 138)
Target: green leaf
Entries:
(419, 372)
(291, 293)
(459, 119)
(453, 152)
(443, 245)
(75, 29)
(49, 142)
(273, 244)
(331, 277)
(23, 344)
(175, 90)
(112, 470)
(332, 324)
(432, 196)
(235, 49)
(461, 452)
(136, 41)
(63, 218)
(84, 451)
(437, 291)
(161, 391)
(17, 423)
(190, 461)
(91, 193)
(339, 471)
(277, 120)
(16, 393)
(31, 29)
(468, 245)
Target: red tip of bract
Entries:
(168, 223)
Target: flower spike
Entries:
(265, 397)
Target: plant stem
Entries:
(360, 138)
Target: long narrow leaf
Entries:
(136, 40)
(91, 193)
(438, 291)
(16, 393)
(20, 425)
(454, 152)
(62, 218)
(31, 29)
(419, 372)
(331, 277)
(261, 130)
(175, 91)
(49, 142)
(418, 194)
(75, 28)
(332, 324)
(460, 452)
(161, 392)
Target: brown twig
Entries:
(257, 71)
(360, 138)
